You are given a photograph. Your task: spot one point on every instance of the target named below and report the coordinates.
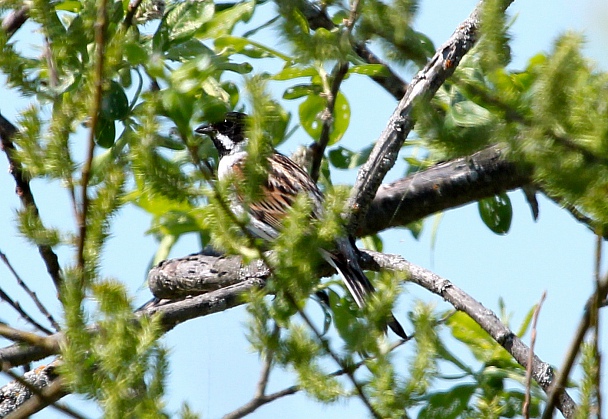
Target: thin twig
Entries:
(526, 406)
(50, 62)
(255, 403)
(17, 307)
(596, 335)
(15, 20)
(331, 95)
(34, 298)
(266, 367)
(24, 192)
(100, 32)
(558, 385)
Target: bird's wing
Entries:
(285, 181)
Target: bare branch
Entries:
(558, 386)
(15, 20)
(541, 371)
(23, 191)
(131, 10)
(331, 93)
(34, 298)
(33, 392)
(20, 336)
(100, 35)
(423, 87)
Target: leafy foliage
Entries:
(167, 71)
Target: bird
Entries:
(285, 181)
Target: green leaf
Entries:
(223, 22)
(470, 114)
(448, 404)
(105, 132)
(299, 18)
(135, 53)
(343, 317)
(248, 47)
(525, 324)
(415, 228)
(301, 90)
(179, 107)
(114, 103)
(483, 347)
(242, 68)
(445, 354)
(185, 19)
(340, 157)
(309, 111)
(373, 242)
(372, 70)
(293, 72)
(497, 213)
(73, 6)
(313, 106)
(188, 49)
(341, 119)
(343, 158)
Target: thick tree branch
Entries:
(252, 276)
(423, 87)
(441, 187)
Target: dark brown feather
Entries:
(285, 181)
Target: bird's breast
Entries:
(228, 163)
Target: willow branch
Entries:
(100, 35)
(441, 187)
(24, 192)
(558, 385)
(15, 19)
(423, 87)
(318, 18)
(252, 276)
(461, 301)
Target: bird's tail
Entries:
(356, 282)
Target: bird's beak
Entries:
(205, 129)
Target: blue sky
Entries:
(212, 367)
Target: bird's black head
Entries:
(226, 134)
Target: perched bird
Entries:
(285, 181)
